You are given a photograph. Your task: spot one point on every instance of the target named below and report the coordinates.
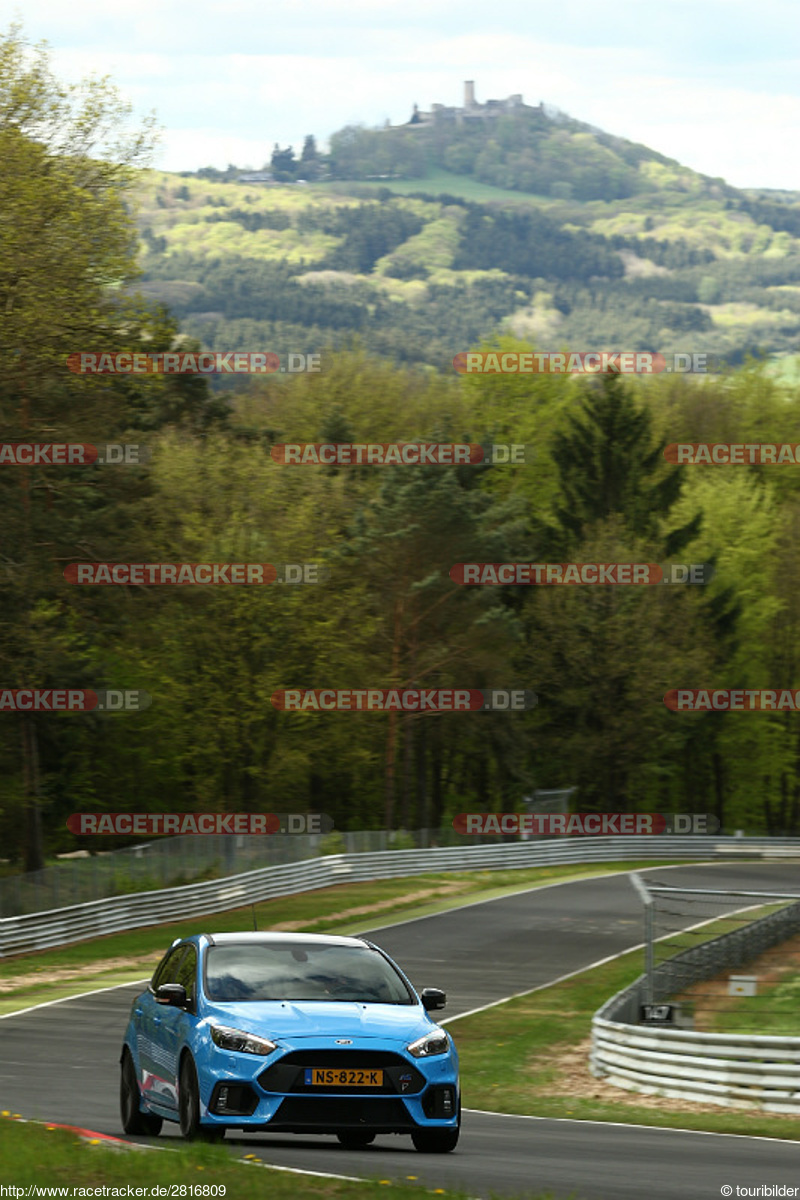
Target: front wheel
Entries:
(133, 1120)
(189, 1107)
(435, 1141)
(355, 1139)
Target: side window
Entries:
(187, 972)
(167, 968)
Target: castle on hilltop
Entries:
(470, 110)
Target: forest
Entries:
(597, 489)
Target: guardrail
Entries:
(175, 861)
(737, 1070)
(56, 927)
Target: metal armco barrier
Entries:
(737, 1070)
(57, 927)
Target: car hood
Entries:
(311, 1019)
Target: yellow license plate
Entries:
(337, 1077)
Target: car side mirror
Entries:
(171, 993)
(432, 998)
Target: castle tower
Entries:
(469, 94)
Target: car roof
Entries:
(269, 938)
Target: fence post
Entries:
(647, 900)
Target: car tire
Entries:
(189, 1106)
(437, 1141)
(134, 1121)
(355, 1139)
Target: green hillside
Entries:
(530, 224)
(297, 267)
(522, 148)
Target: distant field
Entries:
(785, 369)
(438, 180)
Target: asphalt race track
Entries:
(60, 1062)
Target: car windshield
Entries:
(294, 971)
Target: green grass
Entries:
(36, 1154)
(435, 182)
(508, 1059)
(103, 962)
(786, 369)
(774, 1011)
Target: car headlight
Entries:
(436, 1042)
(237, 1039)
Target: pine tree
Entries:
(310, 165)
(608, 465)
(283, 163)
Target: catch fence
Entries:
(683, 1029)
(55, 927)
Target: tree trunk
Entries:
(34, 855)
(422, 782)
(391, 737)
(437, 771)
(719, 789)
(408, 765)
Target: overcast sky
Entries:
(712, 83)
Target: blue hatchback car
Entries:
(289, 1033)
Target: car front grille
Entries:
(288, 1075)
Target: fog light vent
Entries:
(233, 1100)
(439, 1103)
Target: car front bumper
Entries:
(248, 1092)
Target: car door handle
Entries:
(156, 1020)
